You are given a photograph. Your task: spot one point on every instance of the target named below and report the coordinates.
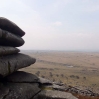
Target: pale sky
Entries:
(55, 24)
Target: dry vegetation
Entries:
(80, 69)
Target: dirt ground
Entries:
(79, 69)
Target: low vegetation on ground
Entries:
(79, 69)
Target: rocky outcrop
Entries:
(10, 59)
(22, 85)
(50, 94)
(19, 84)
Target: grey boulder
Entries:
(50, 94)
(54, 87)
(7, 25)
(11, 63)
(8, 50)
(21, 90)
(44, 81)
(9, 39)
(21, 76)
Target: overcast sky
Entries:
(55, 24)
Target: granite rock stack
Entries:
(19, 84)
(10, 58)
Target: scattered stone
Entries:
(75, 90)
(7, 25)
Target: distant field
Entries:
(79, 69)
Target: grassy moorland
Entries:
(79, 69)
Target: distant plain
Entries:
(79, 69)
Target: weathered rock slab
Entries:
(54, 87)
(7, 25)
(8, 50)
(21, 76)
(9, 39)
(44, 81)
(3, 91)
(21, 90)
(50, 94)
(11, 63)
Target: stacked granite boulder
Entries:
(11, 60)
(19, 84)
(11, 37)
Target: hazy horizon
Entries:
(32, 50)
(55, 24)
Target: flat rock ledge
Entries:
(53, 94)
(22, 85)
(11, 63)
